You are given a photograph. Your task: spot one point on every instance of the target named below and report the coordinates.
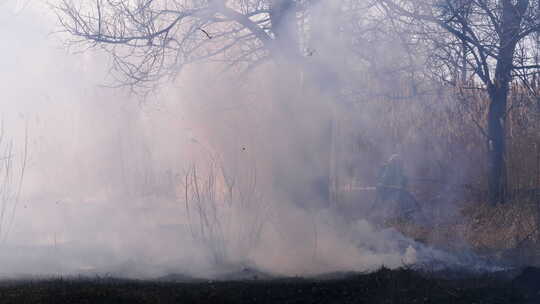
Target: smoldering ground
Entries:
(184, 182)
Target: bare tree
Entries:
(216, 203)
(150, 39)
(489, 39)
(12, 172)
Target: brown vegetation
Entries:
(440, 137)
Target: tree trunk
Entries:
(301, 157)
(285, 30)
(497, 144)
(291, 180)
(512, 15)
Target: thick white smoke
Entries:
(180, 183)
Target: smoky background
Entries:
(216, 172)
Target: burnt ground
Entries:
(382, 286)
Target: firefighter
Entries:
(392, 179)
(392, 198)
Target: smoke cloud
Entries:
(182, 182)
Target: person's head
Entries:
(395, 160)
